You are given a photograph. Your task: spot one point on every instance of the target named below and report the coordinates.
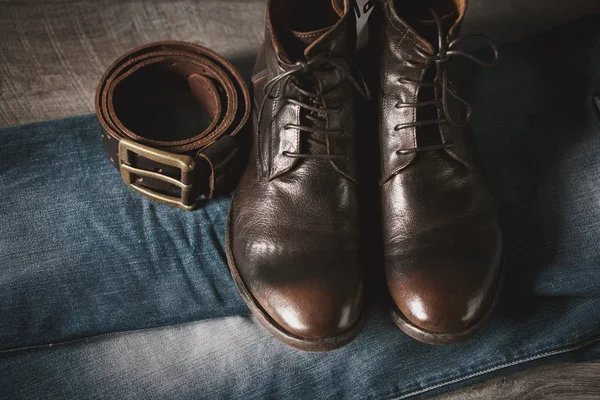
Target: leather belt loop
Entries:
(201, 165)
(221, 158)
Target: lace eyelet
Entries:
(398, 105)
(397, 128)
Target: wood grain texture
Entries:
(549, 382)
(53, 53)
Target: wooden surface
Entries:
(550, 382)
(52, 55)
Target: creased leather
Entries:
(442, 240)
(293, 226)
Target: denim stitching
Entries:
(547, 353)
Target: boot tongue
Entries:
(428, 29)
(301, 26)
(303, 33)
(418, 15)
(309, 38)
(313, 143)
(302, 40)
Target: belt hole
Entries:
(172, 64)
(139, 179)
(158, 170)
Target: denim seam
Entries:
(544, 354)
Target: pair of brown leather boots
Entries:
(293, 229)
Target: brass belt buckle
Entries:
(183, 162)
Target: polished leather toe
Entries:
(443, 259)
(311, 310)
(303, 292)
(442, 296)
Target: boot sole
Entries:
(430, 337)
(280, 333)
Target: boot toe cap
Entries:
(309, 294)
(446, 298)
(312, 311)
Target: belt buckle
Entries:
(183, 162)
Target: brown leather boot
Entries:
(442, 240)
(292, 234)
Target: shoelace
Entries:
(441, 59)
(305, 70)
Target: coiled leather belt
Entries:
(152, 103)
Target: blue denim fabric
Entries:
(82, 255)
(235, 358)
